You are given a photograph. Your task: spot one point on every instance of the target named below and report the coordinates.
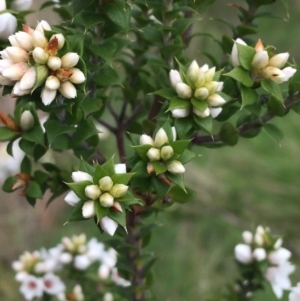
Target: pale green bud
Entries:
(54, 63)
(279, 60)
(184, 91)
(215, 100)
(27, 121)
(212, 87)
(166, 152)
(209, 74)
(118, 190)
(145, 139)
(193, 71)
(106, 183)
(40, 55)
(92, 191)
(153, 154)
(160, 138)
(106, 200)
(201, 93)
(175, 167)
(200, 80)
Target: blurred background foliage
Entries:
(256, 182)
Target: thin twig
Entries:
(135, 112)
(123, 110)
(107, 125)
(112, 111)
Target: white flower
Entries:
(215, 112)
(108, 225)
(259, 254)
(295, 293)
(234, 52)
(175, 167)
(184, 91)
(82, 262)
(32, 287)
(106, 199)
(145, 139)
(78, 176)
(119, 280)
(95, 250)
(279, 277)
(88, 209)
(53, 284)
(71, 198)
(175, 78)
(180, 113)
(279, 256)
(160, 138)
(26, 121)
(103, 271)
(120, 168)
(247, 237)
(243, 253)
(8, 25)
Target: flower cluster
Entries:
(199, 88)
(262, 250)
(161, 151)
(32, 61)
(37, 271)
(263, 66)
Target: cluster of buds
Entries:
(162, 151)
(37, 271)
(32, 61)
(264, 251)
(199, 88)
(263, 66)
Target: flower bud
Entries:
(145, 139)
(52, 82)
(39, 39)
(88, 209)
(77, 76)
(27, 120)
(108, 225)
(153, 154)
(160, 138)
(65, 258)
(71, 198)
(54, 63)
(28, 80)
(61, 40)
(274, 74)
(175, 78)
(288, 72)
(150, 168)
(247, 237)
(48, 96)
(234, 53)
(69, 60)
(92, 191)
(215, 100)
(117, 207)
(108, 297)
(166, 152)
(180, 113)
(259, 46)
(212, 87)
(259, 254)
(243, 253)
(103, 271)
(106, 199)
(193, 71)
(43, 25)
(279, 60)
(16, 71)
(175, 167)
(259, 239)
(24, 40)
(118, 190)
(13, 41)
(40, 55)
(215, 112)
(120, 168)
(209, 74)
(68, 90)
(5, 63)
(174, 134)
(201, 93)
(278, 243)
(17, 91)
(78, 176)
(260, 60)
(184, 91)
(2, 5)
(200, 81)
(106, 183)
(204, 114)
(8, 25)
(279, 256)
(16, 54)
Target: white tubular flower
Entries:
(8, 25)
(215, 100)
(26, 121)
(175, 78)
(48, 96)
(77, 76)
(160, 138)
(81, 262)
(295, 293)
(43, 25)
(32, 287)
(69, 60)
(204, 114)
(215, 112)
(118, 190)
(16, 54)
(53, 284)
(78, 176)
(234, 53)
(260, 60)
(279, 256)
(52, 82)
(106, 183)
(28, 80)
(166, 152)
(279, 277)
(153, 154)
(61, 40)
(279, 60)
(40, 55)
(108, 225)
(247, 237)
(120, 168)
(180, 113)
(259, 254)
(243, 253)
(16, 71)
(68, 90)
(24, 40)
(193, 71)
(39, 39)
(88, 209)
(184, 91)
(145, 139)
(92, 191)
(21, 5)
(175, 167)
(54, 63)
(17, 91)
(106, 200)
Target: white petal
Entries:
(279, 60)
(260, 60)
(120, 168)
(78, 176)
(289, 72)
(243, 253)
(215, 112)
(234, 52)
(180, 113)
(71, 198)
(175, 78)
(108, 225)
(88, 209)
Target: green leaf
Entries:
(119, 217)
(91, 19)
(177, 179)
(152, 35)
(8, 184)
(183, 127)
(206, 124)
(276, 107)
(76, 214)
(142, 150)
(274, 132)
(187, 156)
(106, 50)
(7, 134)
(180, 146)
(249, 96)
(41, 75)
(34, 190)
(54, 129)
(129, 199)
(140, 170)
(166, 93)
(200, 105)
(272, 88)
(178, 195)
(100, 211)
(181, 25)
(85, 130)
(159, 167)
(79, 5)
(109, 166)
(86, 167)
(246, 55)
(241, 75)
(79, 188)
(159, 186)
(122, 178)
(107, 77)
(119, 14)
(26, 165)
(179, 103)
(99, 174)
(35, 135)
(229, 134)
